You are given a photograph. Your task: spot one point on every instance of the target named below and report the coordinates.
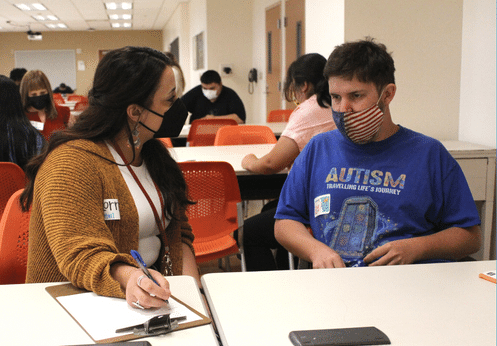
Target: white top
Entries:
(149, 243)
(308, 120)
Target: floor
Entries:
(254, 207)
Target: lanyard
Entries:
(160, 224)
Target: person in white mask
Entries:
(373, 192)
(212, 99)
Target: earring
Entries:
(136, 133)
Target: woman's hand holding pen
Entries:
(147, 294)
(143, 292)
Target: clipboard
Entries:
(64, 290)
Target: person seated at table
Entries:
(307, 87)
(20, 140)
(37, 99)
(211, 99)
(374, 192)
(17, 74)
(63, 89)
(107, 186)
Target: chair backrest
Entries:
(203, 131)
(12, 178)
(214, 187)
(167, 142)
(14, 234)
(246, 134)
(77, 98)
(58, 99)
(279, 115)
(80, 105)
(63, 112)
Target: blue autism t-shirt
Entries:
(359, 197)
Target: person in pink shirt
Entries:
(306, 86)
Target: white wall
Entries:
(179, 26)
(229, 39)
(324, 25)
(478, 72)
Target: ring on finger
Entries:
(137, 304)
(139, 281)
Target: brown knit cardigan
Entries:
(68, 236)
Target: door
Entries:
(294, 34)
(273, 58)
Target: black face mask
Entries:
(39, 102)
(172, 120)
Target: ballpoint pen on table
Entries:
(143, 267)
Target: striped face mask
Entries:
(360, 127)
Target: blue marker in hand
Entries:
(143, 266)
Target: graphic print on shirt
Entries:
(362, 179)
(358, 227)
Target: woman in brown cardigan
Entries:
(107, 186)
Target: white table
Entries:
(430, 304)
(276, 127)
(229, 153)
(31, 316)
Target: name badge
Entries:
(111, 209)
(38, 125)
(321, 205)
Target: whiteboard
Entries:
(58, 65)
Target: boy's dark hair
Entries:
(365, 60)
(17, 74)
(210, 76)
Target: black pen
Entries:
(143, 267)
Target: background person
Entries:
(20, 141)
(306, 86)
(106, 186)
(211, 99)
(63, 89)
(38, 103)
(17, 74)
(373, 192)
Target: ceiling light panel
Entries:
(42, 18)
(56, 26)
(31, 7)
(124, 16)
(118, 5)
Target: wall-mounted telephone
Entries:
(252, 77)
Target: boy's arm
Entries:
(295, 237)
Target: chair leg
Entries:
(291, 265)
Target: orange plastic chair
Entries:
(77, 98)
(217, 213)
(203, 131)
(12, 178)
(63, 112)
(58, 99)
(80, 106)
(246, 134)
(279, 115)
(167, 142)
(14, 234)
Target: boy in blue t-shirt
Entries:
(373, 192)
